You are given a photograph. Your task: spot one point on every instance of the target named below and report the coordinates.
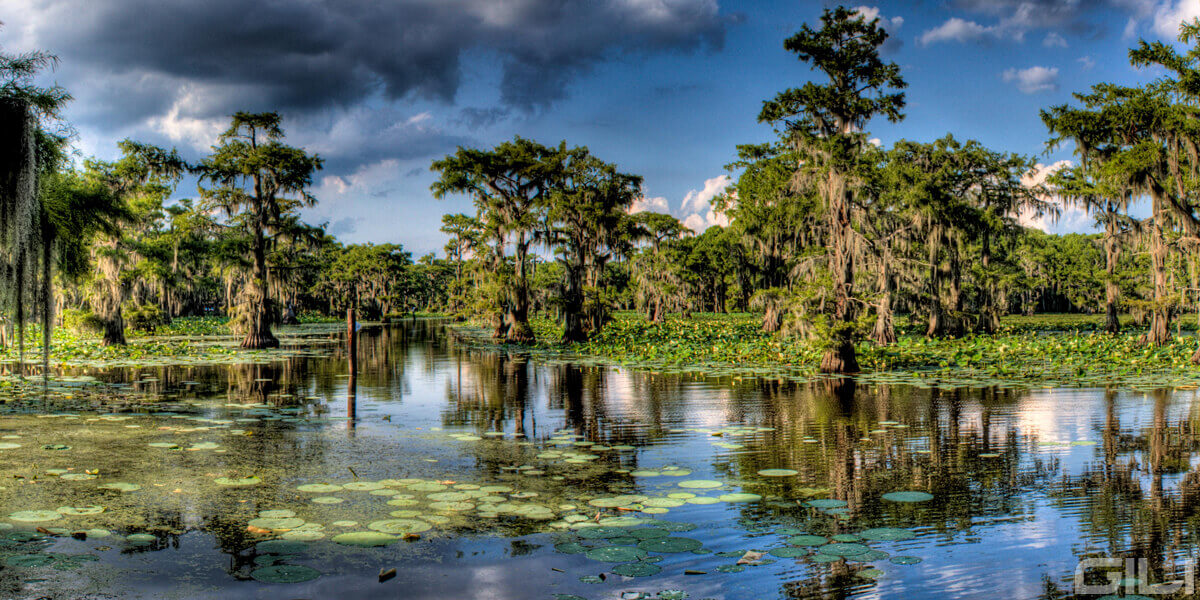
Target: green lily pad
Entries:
(24, 561)
(845, 549)
(908, 496)
(364, 538)
(822, 558)
(637, 569)
(570, 548)
(731, 568)
(739, 497)
(276, 514)
(649, 533)
(887, 534)
(140, 538)
(700, 484)
(121, 486)
(281, 547)
(778, 472)
(276, 523)
(788, 552)
(399, 526)
(669, 544)
(870, 573)
(285, 574)
(327, 500)
(35, 516)
(319, 488)
(9, 446)
(595, 533)
(825, 503)
(806, 540)
(615, 554)
(905, 560)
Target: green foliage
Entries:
(82, 322)
(144, 317)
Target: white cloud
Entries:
(1087, 62)
(1034, 79)
(200, 133)
(956, 30)
(656, 204)
(878, 143)
(870, 13)
(696, 211)
(366, 179)
(1054, 40)
(1170, 14)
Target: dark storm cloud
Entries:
(209, 58)
(1076, 16)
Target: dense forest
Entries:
(830, 237)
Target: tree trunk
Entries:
(114, 328)
(884, 332)
(839, 357)
(517, 319)
(1112, 322)
(258, 324)
(572, 307)
(1160, 319)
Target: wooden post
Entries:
(352, 352)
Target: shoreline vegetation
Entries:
(1049, 350)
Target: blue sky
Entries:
(664, 88)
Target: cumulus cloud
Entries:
(1034, 79)
(656, 204)
(1087, 62)
(1171, 14)
(956, 30)
(870, 13)
(696, 210)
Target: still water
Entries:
(481, 475)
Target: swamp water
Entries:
(487, 476)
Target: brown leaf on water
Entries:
(751, 558)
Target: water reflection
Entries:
(1026, 482)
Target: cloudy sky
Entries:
(664, 88)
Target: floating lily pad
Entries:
(281, 547)
(364, 538)
(905, 560)
(778, 472)
(845, 549)
(77, 476)
(595, 533)
(571, 548)
(400, 526)
(140, 538)
(276, 523)
(9, 446)
(908, 496)
(56, 447)
(319, 488)
(739, 497)
(670, 544)
(328, 500)
(649, 533)
(276, 514)
(24, 561)
(35, 516)
(731, 568)
(825, 503)
(637, 569)
(887, 534)
(700, 484)
(788, 552)
(285, 574)
(806, 540)
(870, 573)
(303, 535)
(822, 558)
(615, 554)
(363, 486)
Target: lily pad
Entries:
(35, 516)
(739, 497)
(905, 560)
(825, 503)
(806, 540)
(615, 554)
(319, 488)
(637, 569)
(364, 538)
(399, 526)
(121, 486)
(670, 544)
(887, 534)
(24, 561)
(778, 472)
(788, 552)
(700, 484)
(276, 523)
(845, 549)
(908, 496)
